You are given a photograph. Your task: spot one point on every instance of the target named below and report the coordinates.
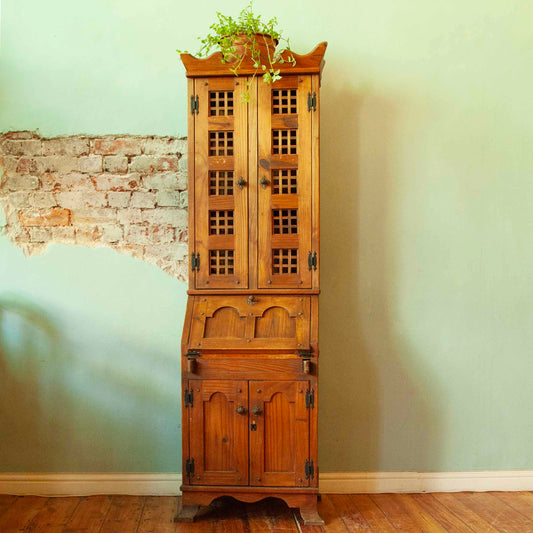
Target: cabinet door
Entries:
(221, 179)
(218, 432)
(279, 446)
(285, 189)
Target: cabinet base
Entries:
(194, 497)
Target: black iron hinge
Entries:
(309, 469)
(195, 261)
(188, 398)
(310, 399)
(311, 101)
(195, 105)
(189, 466)
(312, 260)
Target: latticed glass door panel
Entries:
(221, 184)
(285, 189)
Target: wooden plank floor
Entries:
(464, 512)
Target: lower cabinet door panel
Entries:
(219, 432)
(279, 433)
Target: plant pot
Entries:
(244, 44)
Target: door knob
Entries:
(251, 300)
(264, 182)
(257, 410)
(241, 410)
(241, 183)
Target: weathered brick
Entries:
(19, 200)
(125, 146)
(153, 163)
(166, 180)
(45, 217)
(164, 146)
(117, 182)
(75, 146)
(94, 216)
(112, 233)
(135, 250)
(149, 234)
(184, 199)
(143, 199)
(22, 147)
(64, 234)
(118, 199)
(9, 163)
(76, 200)
(129, 216)
(72, 180)
(40, 234)
(166, 198)
(17, 182)
(27, 165)
(91, 164)
(57, 163)
(115, 163)
(176, 251)
(20, 135)
(43, 199)
(165, 216)
(88, 235)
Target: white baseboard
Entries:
(383, 482)
(90, 484)
(330, 483)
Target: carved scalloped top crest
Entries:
(311, 63)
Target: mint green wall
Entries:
(426, 328)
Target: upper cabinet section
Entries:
(254, 176)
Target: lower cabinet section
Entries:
(253, 433)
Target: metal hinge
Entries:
(311, 101)
(189, 467)
(195, 261)
(310, 399)
(195, 105)
(312, 260)
(309, 470)
(188, 398)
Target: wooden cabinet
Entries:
(248, 433)
(250, 339)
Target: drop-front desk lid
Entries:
(266, 323)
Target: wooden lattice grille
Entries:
(221, 182)
(285, 261)
(221, 103)
(221, 262)
(284, 142)
(284, 102)
(284, 221)
(284, 182)
(220, 143)
(221, 222)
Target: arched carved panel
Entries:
(225, 323)
(218, 434)
(275, 323)
(279, 437)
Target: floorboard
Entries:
(462, 512)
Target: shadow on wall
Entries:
(375, 414)
(61, 412)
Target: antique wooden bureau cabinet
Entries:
(250, 340)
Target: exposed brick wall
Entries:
(125, 192)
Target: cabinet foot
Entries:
(310, 516)
(186, 513)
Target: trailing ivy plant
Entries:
(247, 29)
